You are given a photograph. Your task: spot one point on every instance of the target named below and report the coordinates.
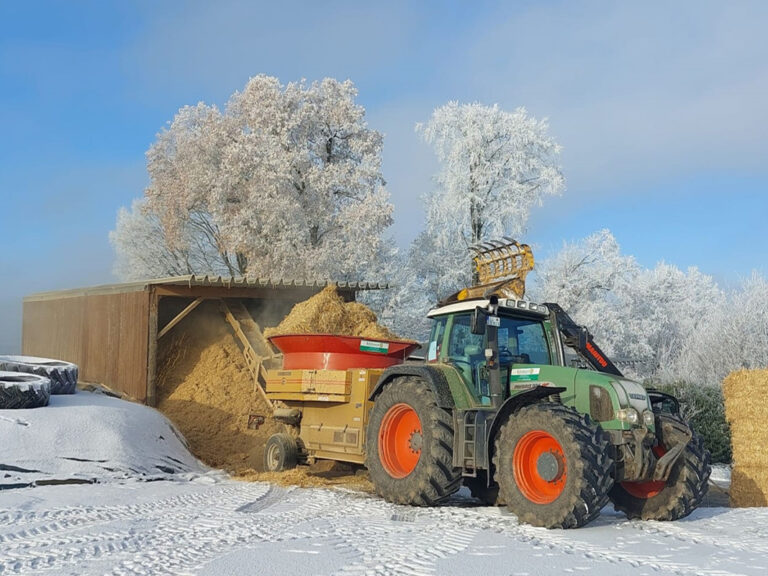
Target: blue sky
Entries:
(660, 108)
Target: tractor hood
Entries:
(607, 398)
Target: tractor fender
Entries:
(513, 404)
(434, 378)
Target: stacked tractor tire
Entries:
(28, 382)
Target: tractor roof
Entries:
(505, 305)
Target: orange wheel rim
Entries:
(540, 467)
(645, 490)
(400, 440)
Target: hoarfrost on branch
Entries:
(285, 182)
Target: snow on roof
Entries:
(504, 304)
(191, 280)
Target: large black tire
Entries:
(18, 390)
(425, 476)
(281, 453)
(687, 484)
(63, 375)
(552, 466)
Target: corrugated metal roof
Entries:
(205, 280)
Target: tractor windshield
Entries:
(521, 341)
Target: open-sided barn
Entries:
(112, 331)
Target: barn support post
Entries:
(152, 348)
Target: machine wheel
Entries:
(63, 375)
(410, 445)
(686, 487)
(280, 453)
(19, 390)
(552, 466)
(478, 487)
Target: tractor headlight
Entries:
(628, 415)
(648, 418)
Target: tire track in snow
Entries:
(172, 537)
(181, 533)
(754, 541)
(95, 513)
(70, 539)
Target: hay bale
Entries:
(746, 410)
(327, 313)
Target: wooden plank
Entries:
(133, 345)
(152, 348)
(298, 396)
(179, 317)
(252, 360)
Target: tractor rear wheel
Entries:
(686, 487)
(552, 466)
(409, 444)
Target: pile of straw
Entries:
(746, 409)
(327, 313)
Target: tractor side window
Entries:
(436, 339)
(465, 350)
(523, 341)
(532, 342)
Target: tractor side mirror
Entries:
(478, 321)
(583, 338)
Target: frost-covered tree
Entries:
(645, 319)
(494, 167)
(732, 335)
(142, 248)
(664, 308)
(589, 279)
(285, 182)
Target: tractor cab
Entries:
(459, 338)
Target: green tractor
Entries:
(518, 403)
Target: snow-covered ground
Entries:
(199, 522)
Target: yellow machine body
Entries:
(334, 408)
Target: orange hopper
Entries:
(330, 352)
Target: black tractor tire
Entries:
(479, 488)
(281, 453)
(428, 477)
(687, 484)
(63, 375)
(569, 484)
(19, 390)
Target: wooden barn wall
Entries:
(106, 335)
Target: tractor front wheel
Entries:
(684, 489)
(409, 445)
(552, 466)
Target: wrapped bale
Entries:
(746, 410)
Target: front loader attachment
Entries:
(500, 268)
